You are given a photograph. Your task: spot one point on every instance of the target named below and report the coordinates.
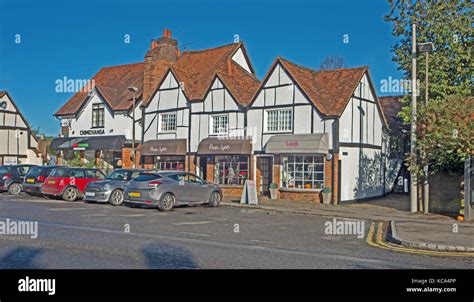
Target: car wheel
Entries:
(14, 189)
(70, 194)
(116, 197)
(215, 199)
(166, 202)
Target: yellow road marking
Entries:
(381, 244)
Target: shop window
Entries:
(167, 163)
(219, 124)
(98, 116)
(280, 120)
(302, 172)
(231, 170)
(168, 122)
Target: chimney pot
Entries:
(167, 33)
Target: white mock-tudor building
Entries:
(206, 112)
(18, 145)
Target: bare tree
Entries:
(333, 62)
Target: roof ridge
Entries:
(324, 70)
(213, 48)
(123, 65)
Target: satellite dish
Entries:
(3, 105)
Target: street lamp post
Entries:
(133, 90)
(413, 178)
(426, 48)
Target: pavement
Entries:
(82, 235)
(415, 230)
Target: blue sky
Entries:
(76, 38)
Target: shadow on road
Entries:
(163, 256)
(20, 258)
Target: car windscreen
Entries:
(119, 175)
(60, 173)
(4, 170)
(146, 177)
(35, 171)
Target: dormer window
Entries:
(219, 124)
(168, 122)
(98, 116)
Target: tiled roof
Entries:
(112, 83)
(2, 93)
(391, 106)
(241, 84)
(197, 69)
(329, 90)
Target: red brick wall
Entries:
(126, 155)
(301, 196)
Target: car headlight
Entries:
(107, 187)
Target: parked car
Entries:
(34, 179)
(170, 188)
(69, 183)
(11, 178)
(111, 189)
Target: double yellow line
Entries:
(380, 243)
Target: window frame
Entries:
(278, 122)
(211, 124)
(160, 127)
(98, 115)
(286, 175)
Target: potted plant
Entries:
(273, 191)
(326, 192)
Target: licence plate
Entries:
(51, 182)
(30, 180)
(90, 194)
(134, 194)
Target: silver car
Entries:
(111, 189)
(167, 189)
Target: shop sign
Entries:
(292, 144)
(92, 132)
(219, 148)
(81, 146)
(249, 193)
(158, 149)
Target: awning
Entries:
(164, 147)
(110, 142)
(219, 146)
(298, 143)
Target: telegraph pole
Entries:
(413, 156)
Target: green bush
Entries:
(273, 186)
(326, 190)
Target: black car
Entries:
(34, 179)
(11, 178)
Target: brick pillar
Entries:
(210, 170)
(335, 190)
(126, 155)
(190, 163)
(258, 173)
(276, 171)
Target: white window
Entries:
(302, 172)
(168, 122)
(219, 124)
(280, 120)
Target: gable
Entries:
(241, 59)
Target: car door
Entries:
(78, 179)
(197, 190)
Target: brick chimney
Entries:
(163, 50)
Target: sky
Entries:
(43, 41)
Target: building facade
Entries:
(206, 112)
(18, 144)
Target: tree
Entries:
(446, 23)
(332, 62)
(442, 132)
(446, 133)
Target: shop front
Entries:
(166, 154)
(105, 152)
(302, 166)
(226, 162)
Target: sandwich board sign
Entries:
(249, 193)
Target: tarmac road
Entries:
(97, 236)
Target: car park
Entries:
(69, 183)
(111, 189)
(11, 178)
(35, 178)
(167, 189)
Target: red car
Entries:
(69, 183)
